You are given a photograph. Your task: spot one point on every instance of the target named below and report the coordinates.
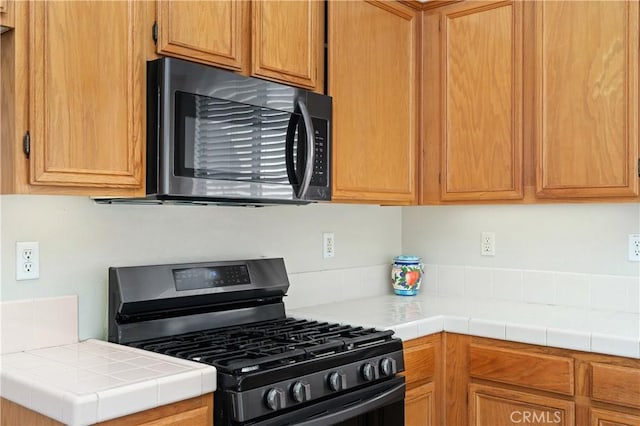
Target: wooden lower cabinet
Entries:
(600, 417)
(495, 406)
(191, 412)
(423, 375)
(489, 382)
(419, 406)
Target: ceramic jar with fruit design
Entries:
(406, 274)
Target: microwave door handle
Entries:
(288, 151)
(311, 144)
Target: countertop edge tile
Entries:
(456, 324)
(49, 400)
(524, 333)
(614, 345)
(179, 387)
(487, 328)
(431, 325)
(15, 388)
(80, 409)
(209, 380)
(569, 339)
(117, 402)
(406, 331)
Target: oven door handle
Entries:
(391, 395)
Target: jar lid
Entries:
(406, 258)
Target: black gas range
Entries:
(272, 369)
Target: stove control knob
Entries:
(301, 391)
(387, 366)
(275, 399)
(368, 372)
(337, 381)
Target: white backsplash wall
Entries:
(568, 254)
(80, 239)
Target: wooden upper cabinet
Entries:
(481, 95)
(7, 14)
(276, 40)
(586, 80)
(212, 32)
(373, 70)
(287, 41)
(87, 95)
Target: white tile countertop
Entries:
(92, 381)
(587, 330)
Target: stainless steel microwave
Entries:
(216, 136)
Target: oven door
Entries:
(376, 405)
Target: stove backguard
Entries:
(145, 301)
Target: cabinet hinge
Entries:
(154, 32)
(26, 144)
(439, 178)
(638, 167)
(439, 24)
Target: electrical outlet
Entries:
(27, 260)
(328, 245)
(634, 247)
(488, 244)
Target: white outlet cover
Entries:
(488, 244)
(27, 260)
(328, 245)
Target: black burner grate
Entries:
(263, 346)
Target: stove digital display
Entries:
(209, 277)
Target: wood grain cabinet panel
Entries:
(586, 93)
(287, 42)
(87, 94)
(419, 363)
(600, 417)
(615, 384)
(373, 71)
(537, 371)
(423, 367)
(276, 40)
(212, 32)
(419, 406)
(481, 50)
(7, 13)
(489, 406)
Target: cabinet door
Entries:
(601, 417)
(6, 14)
(419, 405)
(373, 80)
(87, 94)
(586, 77)
(288, 42)
(481, 95)
(502, 407)
(213, 32)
